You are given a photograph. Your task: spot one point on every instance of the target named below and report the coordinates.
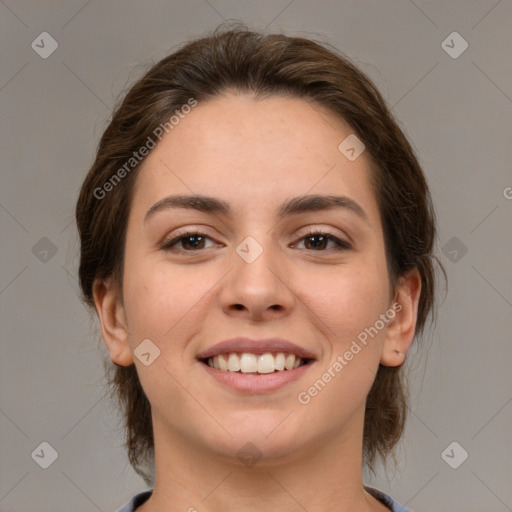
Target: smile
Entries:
(255, 363)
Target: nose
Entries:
(257, 289)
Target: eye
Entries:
(193, 241)
(190, 242)
(318, 240)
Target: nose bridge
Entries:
(256, 261)
(257, 281)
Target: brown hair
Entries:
(263, 64)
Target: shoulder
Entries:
(136, 501)
(386, 500)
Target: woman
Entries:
(256, 238)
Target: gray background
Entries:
(457, 111)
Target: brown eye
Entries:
(318, 241)
(189, 242)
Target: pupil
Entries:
(321, 241)
(197, 238)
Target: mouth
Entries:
(252, 366)
(247, 362)
(256, 374)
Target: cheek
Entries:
(168, 305)
(349, 310)
(161, 305)
(349, 300)
(157, 299)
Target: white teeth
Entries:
(223, 362)
(266, 363)
(280, 361)
(248, 363)
(253, 363)
(290, 361)
(233, 363)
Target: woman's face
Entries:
(255, 272)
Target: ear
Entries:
(401, 329)
(111, 314)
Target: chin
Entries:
(262, 437)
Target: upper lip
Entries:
(254, 346)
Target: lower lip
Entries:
(257, 382)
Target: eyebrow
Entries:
(294, 206)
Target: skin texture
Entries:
(256, 154)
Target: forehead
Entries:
(233, 127)
(255, 152)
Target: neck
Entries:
(326, 476)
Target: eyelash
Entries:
(341, 245)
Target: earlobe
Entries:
(112, 318)
(401, 329)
